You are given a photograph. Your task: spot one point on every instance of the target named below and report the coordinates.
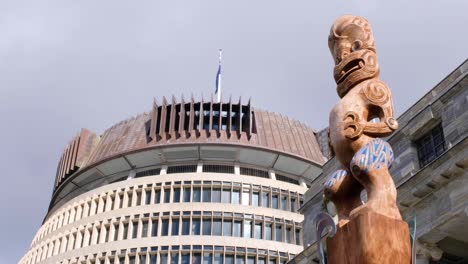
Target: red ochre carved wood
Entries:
(371, 232)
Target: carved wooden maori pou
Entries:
(363, 115)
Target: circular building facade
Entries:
(188, 182)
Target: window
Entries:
(298, 236)
(284, 203)
(293, 205)
(274, 201)
(431, 146)
(216, 195)
(240, 259)
(218, 168)
(167, 193)
(227, 226)
(185, 258)
(237, 228)
(154, 227)
(255, 199)
(185, 226)
(217, 227)
(206, 195)
(218, 258)
(196, 194)
(175, 227)
(288, 234)
(157, 196)
(129, 199)
(229, 259)
(148, 197)
(181, 169)
(186, 194)
(278, 232)
(176, 198)
(144, 228)
(138, 201)
(165, 227)
(247, 229)
(254, 172)
(206, 227)
(226, 196)
(268, 230)
(258, 231)
(196, 226)
(143, 259)
(134, 229)
(235, 197)
(207, 258)
(153, 259)
(265, 199)
(245, 197)
(196, 258)
(116, 232)
(125, 231)
(163, 258)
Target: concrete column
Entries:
(199, 167)
(272, 174)
(236, 169)
(163, 170)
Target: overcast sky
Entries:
(65, 65)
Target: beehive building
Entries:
(187, 182)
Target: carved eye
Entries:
(356, 45)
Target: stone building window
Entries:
(431, 145)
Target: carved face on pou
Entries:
(352, 45)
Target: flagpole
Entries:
(219, 80)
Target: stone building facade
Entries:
(430, 172)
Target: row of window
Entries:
(194, 223)
(176, 192)
(185, 254)
(214, 168)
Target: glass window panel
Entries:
(250, 260)
(134, 229)
(258, 231)
(148, 197)
(240, 259)
(298, 237)
(293, 205)
(153, 259)
(144, 228)
(185, 258)
(196, 194)
(196, 226)
(116, 232)
(138, 201)
(186, 194)
(272, 260)
(274, 201)
(185, 227)
(175, 227)
(154, 227)
(206, 226)
(278, 232)
(227, 227)
(207, 258)
(165, 227)
(167, 197)
(176, 198)
(261, 260)
(218, 258)
(125, 231)
(217, 227)
(175, 258)
(288, 234)
(268, 231)
(255, 199)
(196, 258)
(131, 260)
(235, 197)
(226, 196)
(245, 197)
(143, 259)
(284, 203)
(248, 229)
(229, 259)
(237, 229)
(163, 258)
(207, 195)
(157, 196)
(265, 199)
(216, 195)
